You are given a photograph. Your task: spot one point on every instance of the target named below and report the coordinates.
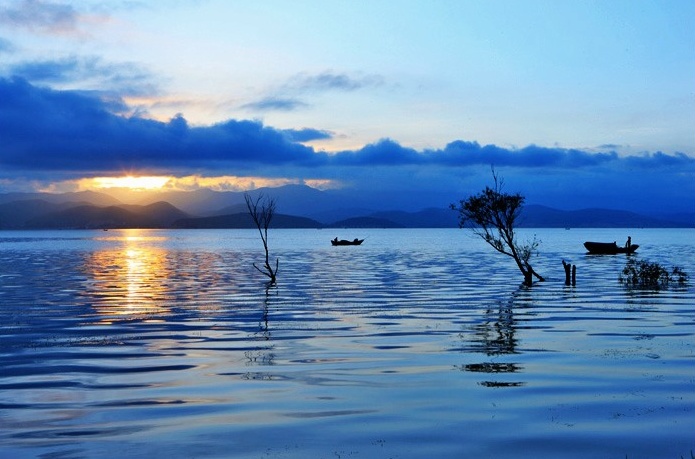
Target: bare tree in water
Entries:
(492, 215)
(262, 210)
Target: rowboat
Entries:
(609, 248)
(355, 241)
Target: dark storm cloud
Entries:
(50, 17)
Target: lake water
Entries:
(417, 344)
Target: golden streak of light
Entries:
(133, 183)
(129, 281)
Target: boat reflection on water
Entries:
(130, 280)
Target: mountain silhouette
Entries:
(157, 215)
(243, 221)
(298, 206)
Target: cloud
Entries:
(331, 81)
(610, 146)
(61, 135)
(275, 104)
(306, 134)
(289, 96)
(460, 153)
(6, 46)
(383, 152)
(38, 15)
(78, 120)
(122, 78)
(45, 129)
(47, 71)
(659, 159)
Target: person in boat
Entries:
(628, 244)
(356, 241)
(335, 240)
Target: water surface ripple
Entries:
(419, 343)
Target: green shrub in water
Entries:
(645, 274)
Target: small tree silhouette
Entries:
(643, 274)
(492, 214)
(262, 210)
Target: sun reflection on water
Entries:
(130, 281)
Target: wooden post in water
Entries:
(570, 273)
(567, 272)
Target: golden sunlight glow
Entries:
(229, 182)
(130, 187)
(323, 184)
(129, 281)
(131, 182)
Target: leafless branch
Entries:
(262, 210)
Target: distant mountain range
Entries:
(298, 207)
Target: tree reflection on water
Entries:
(494, 336)
(262, 355)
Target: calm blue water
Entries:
(419, 343)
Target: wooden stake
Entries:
(567, 272)
(574, 275)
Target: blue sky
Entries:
(576, 103)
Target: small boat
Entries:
(609, 248)
(355, 241)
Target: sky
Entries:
(575, 103)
